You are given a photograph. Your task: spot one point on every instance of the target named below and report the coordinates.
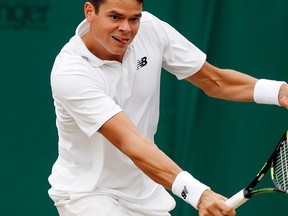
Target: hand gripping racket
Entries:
(278, 165)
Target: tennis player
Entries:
(105, 84)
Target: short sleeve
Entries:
(88, 100)
(180, 57)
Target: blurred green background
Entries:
(221, 143)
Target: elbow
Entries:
(213, 89)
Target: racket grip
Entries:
(237, 200)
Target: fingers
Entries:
(226, 210)
(213, 204)
(283, 96)
(218, 208)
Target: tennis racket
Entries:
(278, 165)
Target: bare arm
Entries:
(122, 133)
(223, 83)
(230, 84)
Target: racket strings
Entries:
(281, 166)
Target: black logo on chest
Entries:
(142, 62)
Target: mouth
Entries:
(120, 40)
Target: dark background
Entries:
(221, 143)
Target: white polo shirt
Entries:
(88, 91)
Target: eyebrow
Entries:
(139, 15)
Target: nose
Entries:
(125, 26)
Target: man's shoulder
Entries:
(150, 24)
(148, 17)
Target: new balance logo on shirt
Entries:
(141, 62)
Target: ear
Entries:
(89, 11)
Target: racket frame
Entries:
(245, 194)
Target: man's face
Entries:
(114, 28)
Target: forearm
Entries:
(120, 131)
(234, 86)
(224, 83)
(164, 171)
(155, 164)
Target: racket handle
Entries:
(237, 200)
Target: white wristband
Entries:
(188, 188)
(267, 91)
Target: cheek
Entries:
(134, 31)
(102, 33)
(102, 28)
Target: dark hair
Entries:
(97, 3)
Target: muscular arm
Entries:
(223, 83)
(122, 133)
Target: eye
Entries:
(115, 17)
(135, 19)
